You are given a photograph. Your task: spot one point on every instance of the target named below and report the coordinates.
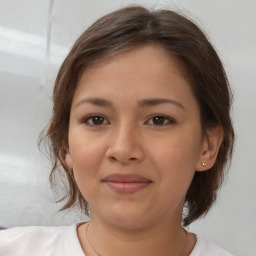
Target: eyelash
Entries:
(166, 120)
(89, 118)
(163, 117)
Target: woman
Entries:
(141, 128)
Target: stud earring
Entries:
(203, 164)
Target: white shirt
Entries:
(63, 241)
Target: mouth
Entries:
(126, 183)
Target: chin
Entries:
(131, 219)
(129, 223)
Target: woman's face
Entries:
(135, 138)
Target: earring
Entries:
(203, 164)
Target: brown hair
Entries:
(126, 29)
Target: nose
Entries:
(125, 146)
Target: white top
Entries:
(63, 241)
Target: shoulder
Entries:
(27, 233)
(29, 240)
(207, 248)
(38, 241)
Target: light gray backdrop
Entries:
(35, 35)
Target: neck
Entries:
(108, 240)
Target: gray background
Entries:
(35, 36)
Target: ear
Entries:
(68, 160)
(210, 148)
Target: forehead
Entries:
(144, 71)
(148, 58)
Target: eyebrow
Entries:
(158, 101)
(95, 101)
(142, 103)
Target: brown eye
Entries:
(96, 120)
(160, 120)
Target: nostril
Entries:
(113, 158)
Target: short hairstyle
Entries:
(126, 29)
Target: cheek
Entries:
(84, 170)
(175, 160)
(175, 169)
(87, 159)
(85, 150)
(179, 151)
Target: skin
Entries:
(161, 141)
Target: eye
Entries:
(95, 120)
(160, 120)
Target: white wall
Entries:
(35, 35)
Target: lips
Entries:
(126, 183)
